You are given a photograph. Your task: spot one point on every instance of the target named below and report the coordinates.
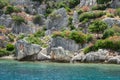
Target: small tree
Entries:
(98, 27)
(18, 20)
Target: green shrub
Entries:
(39, 33)
(80, 12)
(72, 27)
(2, 27)
(10, 47)
(21, 36)
(3, 3)
(118, 11)
(33, 40)
(99, 7)
(112, 43)
(90, 15)
(110, 15)
(73, 3)
(98, 26)
(11, 9)
(4, 52)
(11, 37)
(103, 1)
(89, 37)
(77, 36)
(108, 33)
(18, 20)
(37, 19)
(70, 19)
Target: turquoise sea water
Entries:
(13, 70)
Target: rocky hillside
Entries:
(61, 30)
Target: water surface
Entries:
(13, 70)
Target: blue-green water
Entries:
(13, 70)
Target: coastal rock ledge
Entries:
(26, 51)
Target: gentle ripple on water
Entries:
(13, 70)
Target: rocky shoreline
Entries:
(83, 31)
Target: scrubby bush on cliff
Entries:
(98, 26)
(3, 3)
(112, 43)
(18, 20)
(118, 11)
(91, 15)
(99, 7)
(33, 40)
(37, 19)
(2, 27)
(77, 36)
(103, 1)
(11, 9)
(108, 33)
(10, 47)
(39, 33)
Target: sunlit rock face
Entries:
(27, 51)
(59, 54)
(89, 3)
(115, 3)
(75, 19)
(24, 50)
(57, 20)
(70, 45)
(23, 28)
(112, 21)
(6, 20)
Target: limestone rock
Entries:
(112, 21)
(115, 60)
(23, 28)
(6, 20)
(89, 3)
(115, 4)
(43, 55)
(98, 56)
(59, 54)
(67, 44)
(75, 19)
(57, 20)
(26, 51)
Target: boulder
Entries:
(99, 56)
(78, 57)
(26, 51)
(59, 54)
(57, 20)
(112, 21)
(43, 55)
(115, 60)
